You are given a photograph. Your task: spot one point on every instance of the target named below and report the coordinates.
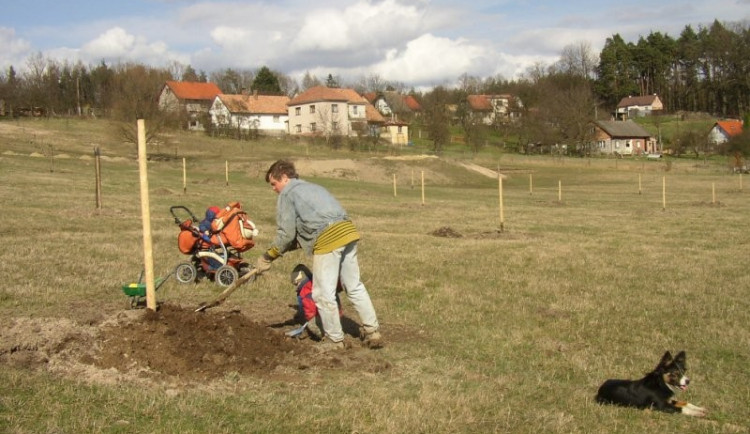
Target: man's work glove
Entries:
(263, 265)
(264, 262)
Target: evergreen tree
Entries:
(331, 81)
(266, 82)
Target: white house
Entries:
(265, 114)
(632, 106)
(493, 109)
(327, 111)
(724, 130)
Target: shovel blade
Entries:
(296, 332)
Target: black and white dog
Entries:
(655, 390)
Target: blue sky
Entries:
(421, 43)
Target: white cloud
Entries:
(113, 43)
(14, 50)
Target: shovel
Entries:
(296, 332)
(227, 292)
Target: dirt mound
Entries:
(446, 232)
(172, 345)
(180, 342)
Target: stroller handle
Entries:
(177, 220)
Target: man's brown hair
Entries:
(281, 167)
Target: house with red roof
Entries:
(261, 114)
(493, 109)
(192, 99)
(724, 130)
(632, 106)
(395, 105)
(329, 111)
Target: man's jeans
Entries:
(328, 268)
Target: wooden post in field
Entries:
(639, 184)
(713, 193)
(740, 181)
(559, 191)
(412, 178)
(98, 170)
(226, 172)
(500, 197)
(664, 193)
(394, 186)
(148, 253)
(531, 185)
(423, 188)
(184, 176)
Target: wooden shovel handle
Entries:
(227, 292)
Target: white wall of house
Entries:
(272, 124)
(717, 136)
(320, 117)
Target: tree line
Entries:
(703, 70)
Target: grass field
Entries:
(508, 331)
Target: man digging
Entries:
(308, 214)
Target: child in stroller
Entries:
(215, 245)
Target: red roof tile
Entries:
(193, 90)
(479, 103)
(731, 127)
(412, 103)
(323, 93)
(256, 104)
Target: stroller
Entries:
(216, 255)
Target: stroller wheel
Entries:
(186, 273)
(225, 275)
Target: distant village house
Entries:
(638, 106)
(724, 130)
(192, 99)
(623, 138)
(262, 114)
(494, 109)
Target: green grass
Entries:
(509, 332)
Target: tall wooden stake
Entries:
(639, 184)
(184, 176)
(226, 172)
(98, 170)
(713, 193)
(423, 187)
(663, 193)
(500, 197)
(394, 186)
(531, 185)
(148, 252)
(559, 191)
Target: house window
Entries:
(335, 126)
(334, 108)
(354, 109)
(298, 128)
(298, 111)
(313, 127)
(276, 119)
(312, 109)
(399, 129)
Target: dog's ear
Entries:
(665, 360)
(680, 359)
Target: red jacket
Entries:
(305, 303)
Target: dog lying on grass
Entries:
(655, 390)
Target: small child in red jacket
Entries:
(301, 278)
